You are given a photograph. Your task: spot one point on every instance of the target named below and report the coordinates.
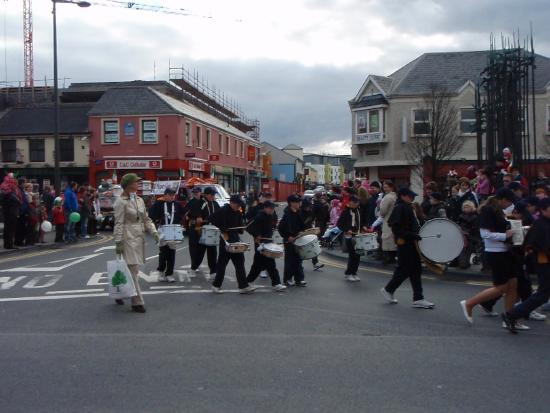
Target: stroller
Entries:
(331, 237)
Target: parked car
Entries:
(222, 197)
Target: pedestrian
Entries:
(229, 219)
(464, 194)
(193, 212)
(290, 226)
(468, 221)
(350, 223)
(387, 204)
(131, 223)
(209, 207)
(537, 242)
(47, 199)
(541, 179)
(321, 212)
(166, 211)
(306, 209)
(23, 216)
(70, 205)
(437, 208)
(11, 208)
(495, 232)
(84, 204)
(405, 228)
(94, 212)
(31, 235)
(58, 219)
(429, 188)
(483, 187)
(42, 216)
(262, 232)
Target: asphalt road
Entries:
(330, 347)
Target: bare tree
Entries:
(437, 138)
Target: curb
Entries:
(460, 275)
(48, 246)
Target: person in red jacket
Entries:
(58, 219)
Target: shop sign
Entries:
(251, 153)
(196, 166)
(133, 164)
(214, 158)
(223, 170)
(189, 154)
(160, 186)
(129, 129)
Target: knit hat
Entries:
(129, 179)
(468, 203)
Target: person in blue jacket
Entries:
(70, 205)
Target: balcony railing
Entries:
(376, 137)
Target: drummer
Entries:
(405, 227)
(229, 220)
(209, 206)
(290, 226)
(193, 212)
(166, 212)
(262, 231)
(350, 223)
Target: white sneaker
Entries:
(467, 316)
(279, 288)
(349, 278)
(263, 274)
(290, 283)
(170, 279)
(535, 315)
(519, 326)
(489, 313)
(387, 296)
(423, 304)
(217, 290)
(87, 237)
(162, 278)
(356, 278)
(247, 290)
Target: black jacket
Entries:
(262, 226)
(371, 210)
(307, 217)
(321, 213)
(436, 211)
(156, 212)
(225, 218)
(291, 224)
(193, 209)
(538, 236)
(403, 222)
(345, 221)
(255, 210)
(208, 208)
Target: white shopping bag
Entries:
(121, 283)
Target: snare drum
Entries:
(366, 242)
(307, 246)
(311, 231)
(271, 250)
(210, 236)
(171, 233)
(236, 247)
(277, 239)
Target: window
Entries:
(199, 137)
(110, 131)
(149, 132)
(208, 141)
(242, 149)
(227, 145)
(9, 150)
(187, 133)
(467, 120)
(421, 121)
(236, 148)
(220, 142)
(37, 150)
(361, 121)
(368, 121)
(66, 150)
(374, 121)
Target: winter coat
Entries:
(371, 210)
(58, 215)
(386, 209)
(261, 227)
(225, 218)
(403, 222)
(436, 211)
(70, 203)
(348, 223)
(321, 213)
(131, 223)
(291, 224)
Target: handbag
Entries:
(121, 282)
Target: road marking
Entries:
(51, 280)
(7, 282)
(156, 256)
(97, 279)
(164, 287)
(110, 247)
(91, 290)
(73, 261)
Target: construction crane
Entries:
(27, 43)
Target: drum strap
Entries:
(168, 218)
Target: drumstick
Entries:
(432, 236)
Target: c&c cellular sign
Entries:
(133, 164)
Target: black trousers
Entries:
(260, 263)
(353, 258)
(293, 265)
(211, 255)
(59, 231)
(408, 266)
(10, 226)
(167, 259)
(193, 246)
(537, 299)
(21, 230)
(238, 262)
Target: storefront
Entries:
(239, 180)
(149, 168)
(196, 167)
(223, 176)
(254, 180)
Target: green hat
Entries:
(129, 179)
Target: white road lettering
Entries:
(6, 282)
(50, 280)
(98, 278)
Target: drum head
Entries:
(304, 240)
(442, 240)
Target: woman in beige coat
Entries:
(389, 247)
(131, 223)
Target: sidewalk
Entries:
(474, 272)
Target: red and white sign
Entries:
(214, 158)
(251, 153)
(196, 166)
(133, 164)
(189, 154)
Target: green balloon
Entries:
(74, 217)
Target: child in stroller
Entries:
(468, 221)
(332, 234)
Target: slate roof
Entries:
(140, 100)
(373, 100)
(39, 120)
(292, 146)
(278, 156)
(450, 69)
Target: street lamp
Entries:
(57, 171)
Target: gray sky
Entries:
(293, 64)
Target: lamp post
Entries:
(57, 170)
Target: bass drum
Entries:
(442, 240)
